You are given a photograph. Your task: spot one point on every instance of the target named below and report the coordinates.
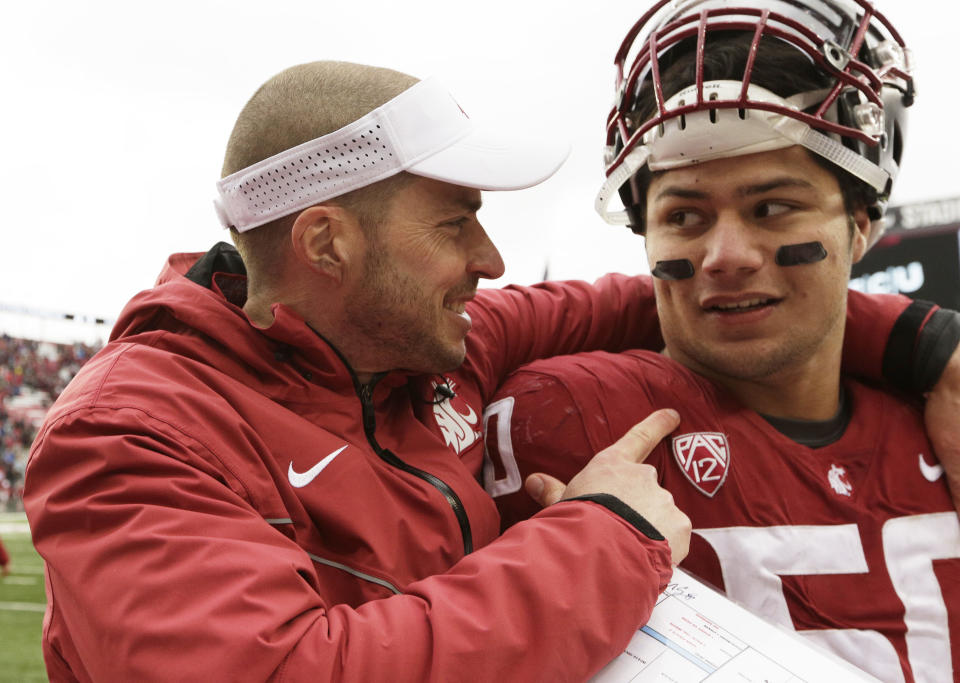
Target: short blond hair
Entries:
(297, 105)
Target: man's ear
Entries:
(323, 240)
(861, 233)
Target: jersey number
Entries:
(501, 412)
(752, 560)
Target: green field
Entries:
(21, 605)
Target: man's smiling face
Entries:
(742, 315)
(421, 268)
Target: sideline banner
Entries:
(918, 257)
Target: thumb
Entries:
(544, 489)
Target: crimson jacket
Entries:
(220, 502)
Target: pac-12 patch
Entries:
(704, 458)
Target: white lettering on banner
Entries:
(894, 280)
(752, 560)
(930, 213)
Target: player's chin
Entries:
(756, 361)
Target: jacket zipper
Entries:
(365, 392)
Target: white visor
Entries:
(423, 131)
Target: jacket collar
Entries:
(205, 294)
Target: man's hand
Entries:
(618, 471)
(942, 419)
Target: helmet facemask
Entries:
(720, 78)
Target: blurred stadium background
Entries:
(35, 366)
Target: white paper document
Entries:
(696, 634)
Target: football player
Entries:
(754, 144)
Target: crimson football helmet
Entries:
(857, 122)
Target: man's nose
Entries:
(732, 246)
(484, 260)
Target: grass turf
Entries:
(22, 602)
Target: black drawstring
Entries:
(443, 390)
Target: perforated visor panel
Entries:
(338, 168)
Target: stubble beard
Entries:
(757, 359)
(744, 364)
(390, 315)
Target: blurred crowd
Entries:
(32, 375)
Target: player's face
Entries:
(421, 268)
(742, 315)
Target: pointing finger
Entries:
(644, 436)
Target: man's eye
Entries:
(770, 209)
(684, 219)
(457, 223)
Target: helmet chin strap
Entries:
(787, 255)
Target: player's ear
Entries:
(860, 233)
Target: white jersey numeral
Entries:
(910, 545)
(752, 560)
(502, 410)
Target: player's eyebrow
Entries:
(774, 184)
(681, 193)
(744, 191)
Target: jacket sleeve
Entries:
(516, 325)
(160, 569)
(919, 339)
(885, 334)
(880, 326)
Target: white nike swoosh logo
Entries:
(300, 479)
(930, 472)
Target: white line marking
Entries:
(23, 606)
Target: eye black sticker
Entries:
(800, 254)
(676, 269)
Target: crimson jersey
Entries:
(855, 544)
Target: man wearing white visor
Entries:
(754, 145)
(272, 470)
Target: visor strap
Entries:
(633, 162)
(845, 158)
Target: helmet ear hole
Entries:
(897, 142)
